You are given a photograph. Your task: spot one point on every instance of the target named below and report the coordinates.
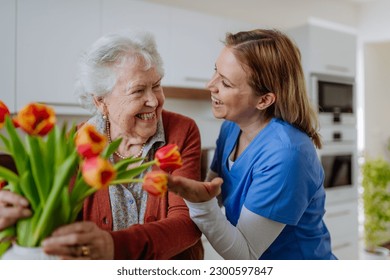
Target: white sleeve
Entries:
(248, 241)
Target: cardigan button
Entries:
(105, 220)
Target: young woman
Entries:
(265, 165)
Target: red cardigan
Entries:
(168, 232)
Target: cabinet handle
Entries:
(342, 245)
(60, 104)
(336, 68)
(198, 80)
(338, 214)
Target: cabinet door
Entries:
(51, 36)
(138, 16)
(342, 222)
(7, 52)
(196, 43)
(189, 42)
(197, 40)
(332, 51)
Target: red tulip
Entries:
(36, 119)
(98, 172)
(3, 183)
(168, 158)
(155, 183)
(4, 111)
(90, 142)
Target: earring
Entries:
(105, 117)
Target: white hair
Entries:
(97, 75)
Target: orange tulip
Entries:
(4, 111)
(168, 158)
(98, 172)
(155, 183)
(36, 119)
(90, 142)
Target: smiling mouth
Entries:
(216, 101)
(146, 116)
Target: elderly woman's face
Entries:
(135, 104)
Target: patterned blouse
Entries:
(128, 201)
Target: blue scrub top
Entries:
(278, 176)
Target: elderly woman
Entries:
(120, 82)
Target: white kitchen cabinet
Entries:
(326, 50)
(196, 42)
(51, 36)
(195, 45)
(342, 223)
(331, 52)
(7, 52)
(189, 42)
(138, 16)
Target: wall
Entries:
(282, 14)
(373, 76)
(200, 111)
(377, 98)
(374, 21)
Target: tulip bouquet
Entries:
(58, 168)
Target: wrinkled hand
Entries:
(80, 241)
(12, 208)
(194, 191)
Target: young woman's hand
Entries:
(194, 191)
(12, 208)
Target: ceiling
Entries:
(277, 13)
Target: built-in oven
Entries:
(334, 98)
(339, 161)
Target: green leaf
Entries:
(123, 164)
(29, 190)
(8, 175)
(48, 150)
(65, 207)
(17, 149)
(6, 142)
(38, 167)
(131, 173)
(62, 178)
(79, 192)
(7, 233)
(111, 148)
(6, 236)
(60, 151)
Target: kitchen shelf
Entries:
(186, 93)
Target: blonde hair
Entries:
(274, 65)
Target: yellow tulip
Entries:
(36, 119)
(155, 183)
(98, 172)
(90, 142)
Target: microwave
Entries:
(334, 98)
